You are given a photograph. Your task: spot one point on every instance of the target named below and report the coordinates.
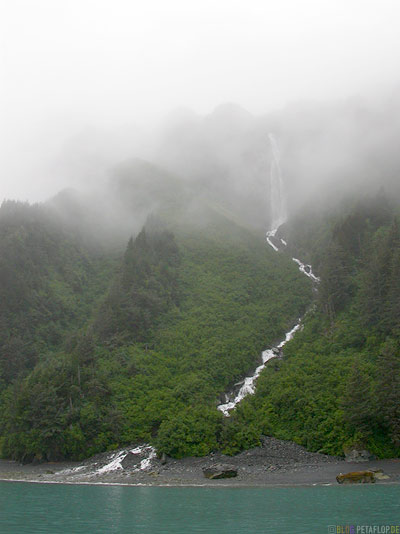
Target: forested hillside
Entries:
(49, 282)
(137, 347)
(102, 345)
(339, 383)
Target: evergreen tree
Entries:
(388, 389)
(145, 287)
(336, 285)
(357, 403)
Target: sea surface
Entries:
(58, 508)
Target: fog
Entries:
(89, 85)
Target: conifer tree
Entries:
(388, 389)
(359, 412)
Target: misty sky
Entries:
(73, 66)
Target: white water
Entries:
(146, 452)
(307, 270)
(278, 205)
(269, 234)
(248, 387)
(277, 190)
(279, 216)
(115, 462)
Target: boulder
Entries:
(356, 477)
(131, 460)
(216, 471)
(358, 455)
(379, 474)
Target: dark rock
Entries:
(279, 452)
(49, 472)
(356, 477)
(27, 459)
(358, 455)
(216, 471)
(39, 459)
(32, 459)
(131, 460)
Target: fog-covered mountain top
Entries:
(327, 151)
(347, 145)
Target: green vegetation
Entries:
(48, 283)
(146, 355)
(339, 384)
(99, 351)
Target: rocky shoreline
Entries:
(274, 463)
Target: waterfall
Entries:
(277, 190)
(278, 207)
(248, 384)
(278, 217)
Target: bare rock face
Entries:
(356, 477)
(216, 471)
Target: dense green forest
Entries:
(339, 383)
(138, 345)
(103, 346)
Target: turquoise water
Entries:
(50, 508)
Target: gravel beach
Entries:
(275, 463)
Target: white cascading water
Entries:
(113, 463)
(278, 217)
(307, 270)
(278, 205)
(277, 190)
(248, 387)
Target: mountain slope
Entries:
(184, 316)
(339, 383)
(49, 282)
